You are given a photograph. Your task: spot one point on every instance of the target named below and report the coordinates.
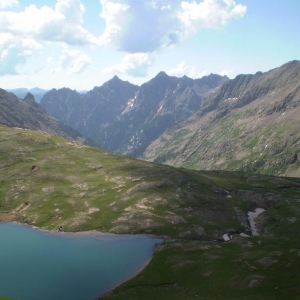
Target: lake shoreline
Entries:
(88, 232)
(100, 235)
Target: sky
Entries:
(83, 43)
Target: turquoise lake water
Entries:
(36, 265)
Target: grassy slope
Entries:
(50, 182)
(263, 267)
(237, 142)
(83, 188)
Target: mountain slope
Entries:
(60, 185)
(124, 118)
(251, 123)
(26, 113)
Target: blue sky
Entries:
(83, 43)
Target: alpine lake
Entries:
(37, 265)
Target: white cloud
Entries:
(138, 26)
(166, 7)
(74, 61)
(63, 24)
(208, 14)
(29, 46)
(49, 59)
(10, 62)
(115, 17)
(25, 32)
(147, 26)
(135, 65)
(13, 52)
(183, 69)
(8, 3)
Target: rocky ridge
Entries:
(125, 118)
(251, 124)
(28, 114)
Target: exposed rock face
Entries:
(15, 112)
(92, 112)
(124, 118)
(158, 104)
(251, 123)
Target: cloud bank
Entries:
(8, 3)
(140, 29)
(136, 65)
(74, 61)
(22, 33)
(147, 26)
(152, 26)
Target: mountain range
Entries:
(249, 123)
(125, 118)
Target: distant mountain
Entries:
(251, 124)
(157, 105)
(22, 92)
(125, 118)
(26, 113)
(92, 112)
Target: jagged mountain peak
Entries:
(115, 82)
(161, 77)
(187, 79)
(61, 89)
(116, 78)
(29, 97)
(162, 74)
